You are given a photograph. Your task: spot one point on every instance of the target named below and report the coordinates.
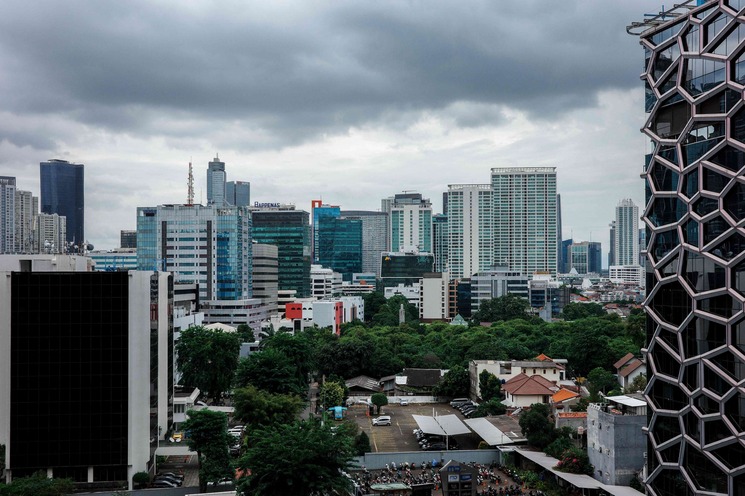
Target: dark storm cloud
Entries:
(292, 71)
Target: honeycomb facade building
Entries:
(694, 76)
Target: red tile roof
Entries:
(623, 361)
(534, 385)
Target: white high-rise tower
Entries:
(626, 242)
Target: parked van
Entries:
(458, 402)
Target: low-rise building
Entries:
(553, 370)
(629, 368)
(616, 443)
(523, 390)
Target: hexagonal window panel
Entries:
(690, 183)
(705, 405)
(721, 305)
(729, 157)
(664, 59)
(728, 363)
(702, 273)
(672, 303)
(730, 42)
(731, 455)
(712, 181)
(720, 103)
(692, 425)
(671, 454)
(737, 336)
(664, 362)
(691, 38)
(704, 206)
(715, 431)
(734, 410)
(715, 383)
(690, 232)
(700, 140)
(669, 153)
(701, 75)
(666, 211)
(737, 129)
(734, 201)
(701, 336)
(663, 178)
(730, 247)
(690, 377)
(665, 428)
(703, 472)
(670, 268)
(666, 396)
(670, 482)
(714, 227)
(663, 243)
(672, 117)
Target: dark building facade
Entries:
(694, 74)
(62, 193)
(88, 385)
(128, 239)
(405, 268)
(289, 231)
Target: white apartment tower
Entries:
(410, 222)
(626, 242)
(525, 218)
(26, 210)
(7, 214)
(470, 224)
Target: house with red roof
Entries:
(523, 390)
(628, 368)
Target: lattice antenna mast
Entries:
(190, 183)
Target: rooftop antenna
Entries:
(190, 194)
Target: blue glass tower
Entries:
(340, 245)
(62, 194)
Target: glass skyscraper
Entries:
(62, 193)
(440, 236)
(216, 182)
(340, 245)
(205, 245)
(320, 210)
(374, 237)
(694, 75)
(289, 231)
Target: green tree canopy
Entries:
(246, 333)
(599, 380)
(638, 384)
(258, 408)
(37, 484)
(207, 434)
(575, 461)
(575, 311)
(489, 385)
(207, 359)
(490, 407)
(507, 307)
(304, 459)
(379, 400)
(332, 394)
(536, 425)
(373, 303)
(455, 382)
(283, 379)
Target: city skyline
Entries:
(397, 97)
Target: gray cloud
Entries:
(292, 71)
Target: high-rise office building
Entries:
(693, 73)
(563, 263)
(585, 257)
(62, 193)
(289, 230)
(525, 218)
(319, 210)
(440, 242)
(27, 208)
(626, 237)
(216, 182)
(7, 214)
(374, 237)
(410, 222)
(205, 245)
(89, 389)
(265, 274)
(340, 245)
(238, 193)
(470, 229)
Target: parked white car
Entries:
(382, 420)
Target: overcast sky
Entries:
(348, 101)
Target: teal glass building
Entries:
(339, 245)
(289, 230)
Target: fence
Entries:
(377, 461)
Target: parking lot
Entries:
(399, 436)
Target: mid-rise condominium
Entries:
(410, 220)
